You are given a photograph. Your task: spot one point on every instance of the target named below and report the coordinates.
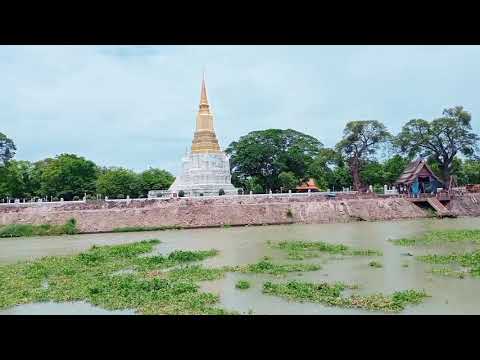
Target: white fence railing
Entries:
(166, 198)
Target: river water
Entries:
(243, 245)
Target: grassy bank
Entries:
(299, 250)
(20, 230)
(331, 295)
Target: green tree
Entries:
(322, 168)
(361, 139)
(66, 176)
(265, 154)
(117, 181)
(287, 180)
(393, 168)
(441, 139)
(7, 149)
(16, 180)
(155, 179)
(470, 172)
(373, 173)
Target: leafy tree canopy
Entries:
(361, 140)
(117, 181)
(66, 176)
(7, 149)
(287, 180)
(441, 139)
(155, 179)
(265, 154)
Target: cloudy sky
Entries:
(135, 106)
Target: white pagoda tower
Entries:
(206, 168)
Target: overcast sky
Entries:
(135, 106)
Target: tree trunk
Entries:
(445, 174)
(355, 169)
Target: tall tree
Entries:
(7, 149)
(155, 179)
(441, 139)
(361, 139)
(16, 180)
(66, 176)
(264, 154)
(323, 167)
(116, 182)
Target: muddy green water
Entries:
(243, 245)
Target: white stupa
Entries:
(206, 168)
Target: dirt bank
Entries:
(205, 212)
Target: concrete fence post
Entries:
(290, 193)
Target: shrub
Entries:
(221, 192)
(181, 193)
(76, 198)
(121, 196)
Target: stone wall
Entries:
(100, 216)
(466, 205)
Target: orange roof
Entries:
(310, 184)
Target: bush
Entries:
(55, 199)
(181, 193)
(240, 191)
(121, 196)
(76, 198)
(91, 197)
(221, 192)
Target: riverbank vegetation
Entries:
(441, 236)
(146, 228)
(470, 261)
(267, 267)
(90, 277)
(130, 276)
(331, 295)
(271, 159)
(299, 250)
(242, 284)
(21, 230)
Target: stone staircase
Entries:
(441, 210)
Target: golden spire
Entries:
(204, 139)
(203, 95)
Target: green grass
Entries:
(299, 250)
(469, 260)
(331, 295)
(21, 230)
(242, 284)
(441, 236)
(267, 267)
(375, 264)
(161, 284)
(146, 228)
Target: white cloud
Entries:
(135, 106)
